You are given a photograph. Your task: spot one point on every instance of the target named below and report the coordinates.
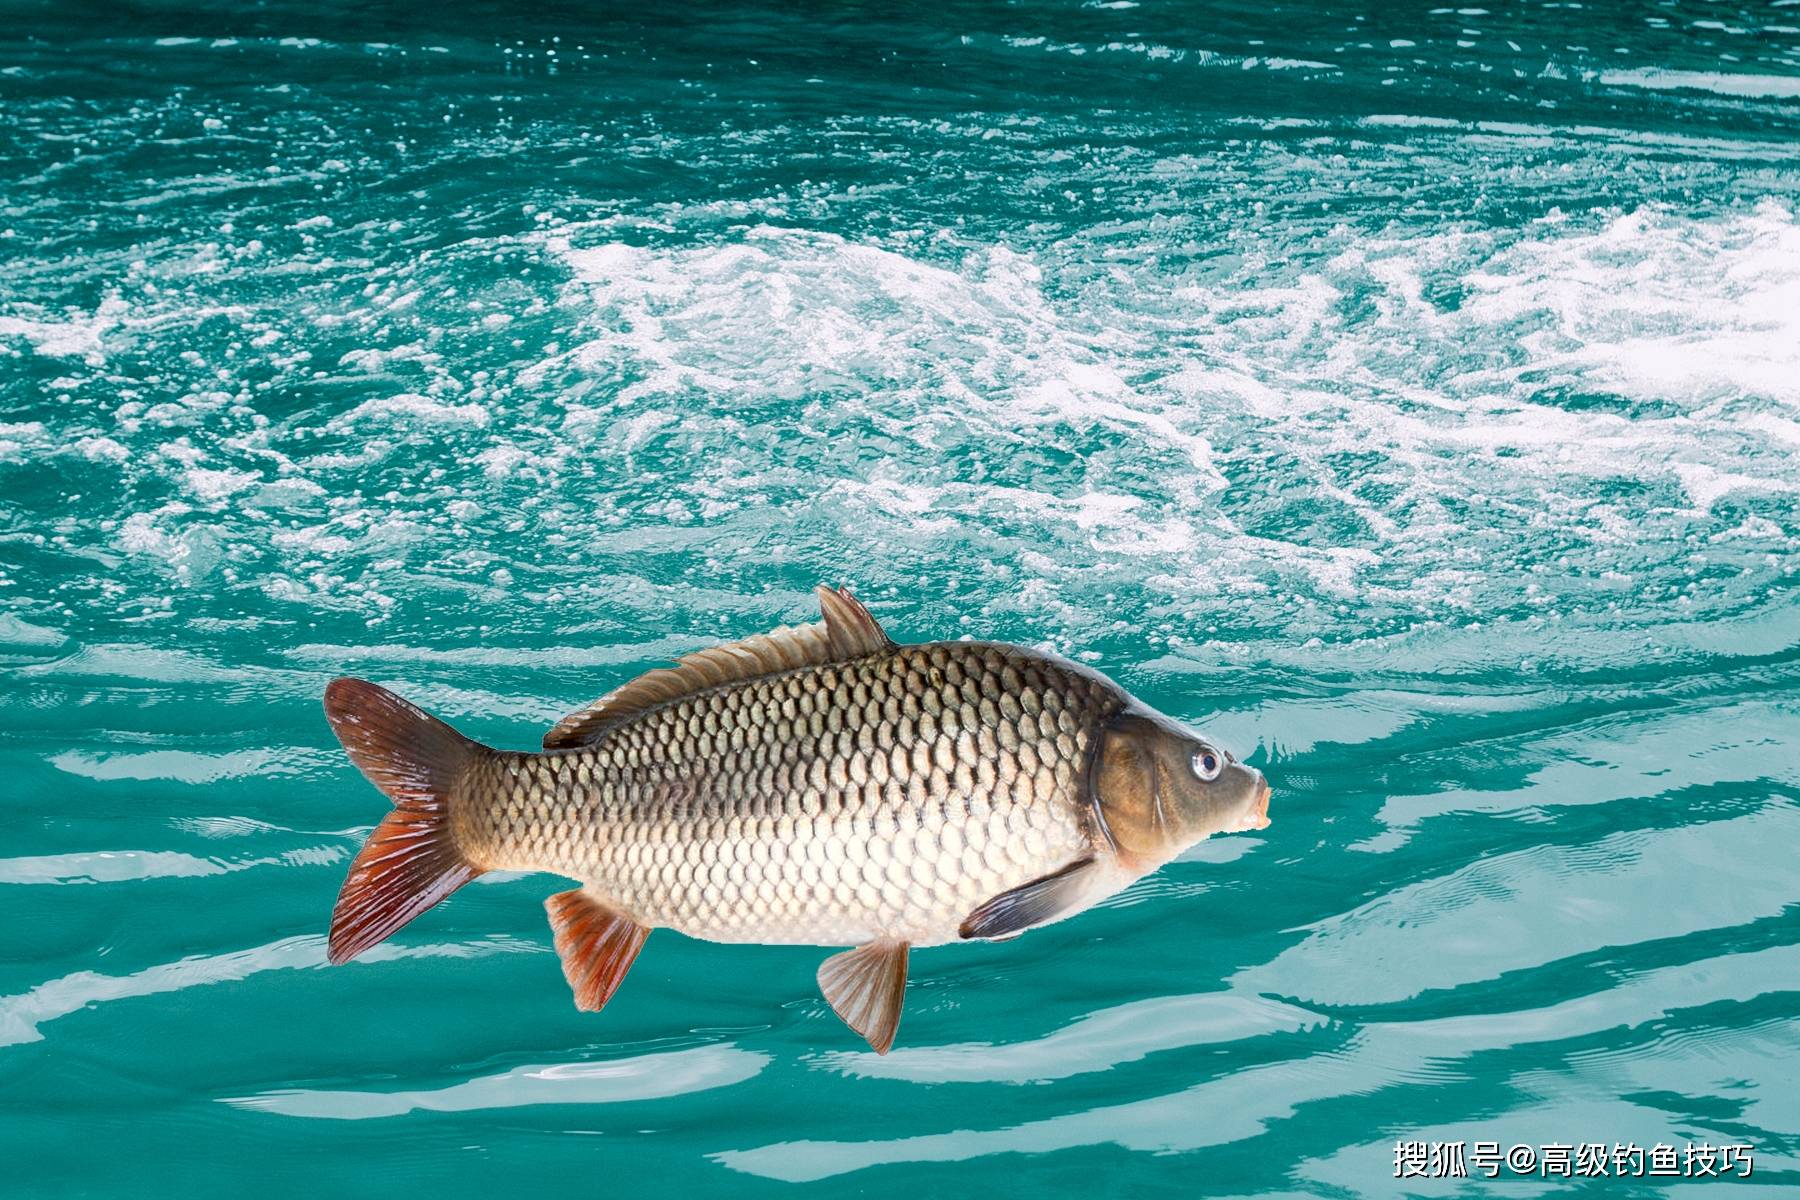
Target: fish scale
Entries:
(887, 797)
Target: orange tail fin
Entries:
(412, 860)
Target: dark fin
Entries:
(412, 860)
(866, 986)
(1039, 901)
(597, 946)
(847, 632)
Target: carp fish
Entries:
(815, 785)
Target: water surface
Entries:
(1409, 395)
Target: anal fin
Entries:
(1010, 913)
(597, 946)
(865, 987)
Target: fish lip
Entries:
(1260, 816)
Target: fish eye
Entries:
(1207, 764)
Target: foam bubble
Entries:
(412, 407)
(76, 336)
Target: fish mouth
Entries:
(1259, 812)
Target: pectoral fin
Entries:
(1041, 900)
(597, 946)
(866, 986)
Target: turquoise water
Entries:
(1408, 395)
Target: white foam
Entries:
(1439, 356)
(102, 449)
(1391, 418)
(22, 439)
(1654, 305)
(213, 485)
(73, 337)
(411, 407)
(790, 312)
(500, 461)
(1696, 322)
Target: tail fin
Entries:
(412, 860)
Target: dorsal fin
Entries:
(851, 629)
(848, 631)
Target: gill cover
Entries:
(1126, 789)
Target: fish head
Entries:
(1158, 787)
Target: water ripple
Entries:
(1626, 888)
(615, 1081)
(1096, 1042)
(21, 1015)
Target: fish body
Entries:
(885, 797)
(817, 785)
